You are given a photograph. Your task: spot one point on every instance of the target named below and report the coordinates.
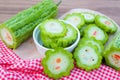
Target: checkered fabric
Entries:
(12, 67)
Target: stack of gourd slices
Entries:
(56, 33)
(94, 30)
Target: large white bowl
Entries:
(41, 49)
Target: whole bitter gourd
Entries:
(19, 28)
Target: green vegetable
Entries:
(76, 19)
(94, 42)
(82, 30)
(19, 28)
(94, 31)
(53, 28)
(87, 57)
(57, 63)
(69, 38)
(89, 17)
(105, 24)
(112, 52)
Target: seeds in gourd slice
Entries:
(94, 42)
(87, 57)
(89, 18)
(57, 63)
(68, 38)
(53, 28)
(105, 24)
(93, 31)
(76, 19)
(112, 58)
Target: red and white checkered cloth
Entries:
(13, 67)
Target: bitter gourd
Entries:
(19, 28)
(105, 24)
(57, 63)
(87, 57)
(94, 31)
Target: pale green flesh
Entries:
(88, 16)
(99, 33)
(88, 57)
(107, 22)
(113, 60)
(52, 64)
(6, 36)
(95, 43)
(53, 27)
(75, 20)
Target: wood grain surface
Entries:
(111, 8)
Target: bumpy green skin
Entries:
(94, 42)
(67, 39)
(81, 17)
(89, 27)
(108, 62)
(53, 35)
(82, 30)
(20, 32)
(90, 20)
(106, 27)
(81, 64)
(49, 54)
(47, 41)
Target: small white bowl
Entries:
(42, 49)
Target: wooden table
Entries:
(9, 8)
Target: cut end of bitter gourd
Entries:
(105, 24)
(112, 58)
(76, 19)
(87, 57)
(69, 38)
(89, 18)
(94, 42)
(57, 63)
(53, 28)
(6, 36)
(94, 31)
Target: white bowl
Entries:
(42, 49)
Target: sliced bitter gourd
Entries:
(93, 31)
(68, 38)
(48, 42)
(105, 24)
(87, 57)
(89, 17)
(19, 28)
(57, 63)
(112, 58)
(94, 42)
(82, 30)
(76, 19)
(53, 28)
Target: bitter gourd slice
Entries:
(76, 19)
(53, 28)
(68, 38)
(105, 24)
(94, 42)
(87, 57)
(14, 37)
(89, 17)
(57, 63)
(94, 31)
(112, 58)
(82, 30)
